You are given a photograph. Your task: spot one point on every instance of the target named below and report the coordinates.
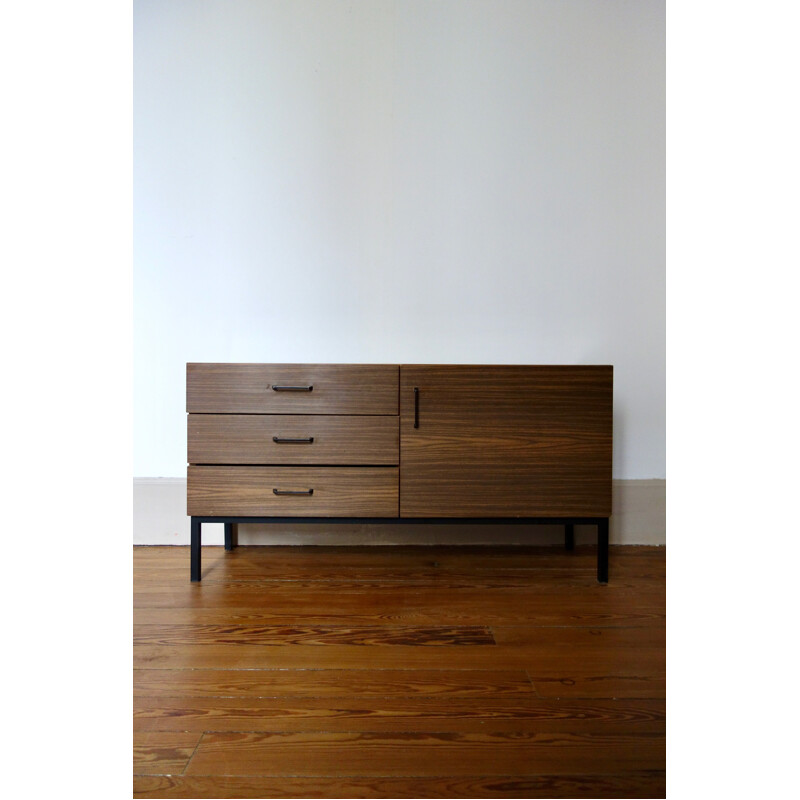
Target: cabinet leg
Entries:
(602, 551)
(231, 535)
(569, 537)
(195, 550)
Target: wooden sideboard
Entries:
(390, 443)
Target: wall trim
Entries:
(159, 517)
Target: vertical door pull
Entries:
(416, 407)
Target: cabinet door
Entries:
(505, 441)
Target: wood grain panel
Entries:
(580, 685)
(408, 562)
(329, 683)
(553, 709)
(505, 598)
(553, 652)
(622, 784)
(399, 606)
(399, 714)
(248, 491)
(243, 596)
(249, 439)
(312, 635)
(591, 638)
(500, 441)
(247, 388)
(421, 754)
(162, 751)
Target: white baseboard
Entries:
(159, 517)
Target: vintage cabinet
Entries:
(276, 442)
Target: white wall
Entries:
(413, 181)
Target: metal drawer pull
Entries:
(416, 407)
(287, 491)
(292, 388)
(279, 440)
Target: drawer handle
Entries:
(280, 440)
(292, 388)
(288, 491)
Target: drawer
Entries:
(331, 491)
(301, 439)
(292, 388)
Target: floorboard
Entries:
(330, 683)
(399, 672)
(634, 783)
(375, 754)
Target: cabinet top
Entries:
(398, 366)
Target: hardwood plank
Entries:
(399, 714)
(422, 754)
(302, 439)
(557, 581)
(249, 594)
(310, 635)
(624, 784)
(329, 683)
(479, 555)
(397, 597)
(256, 562)
(418, 612)
(232, 567)
(410, 618)
(529, 567)
(587, 639)
(547, 657)
(578, 685)
(402, 560)
(162, 752)
(569, 702)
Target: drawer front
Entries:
(292, 388)
(292, 439)
(327, 491)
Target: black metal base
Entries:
(569, 536)
(231, 535)
(232, 531)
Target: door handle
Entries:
(416, 407)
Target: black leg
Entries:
(569, 537)
(195, 549)
(602, 551)
(231, 535)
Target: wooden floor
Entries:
(399, 672)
